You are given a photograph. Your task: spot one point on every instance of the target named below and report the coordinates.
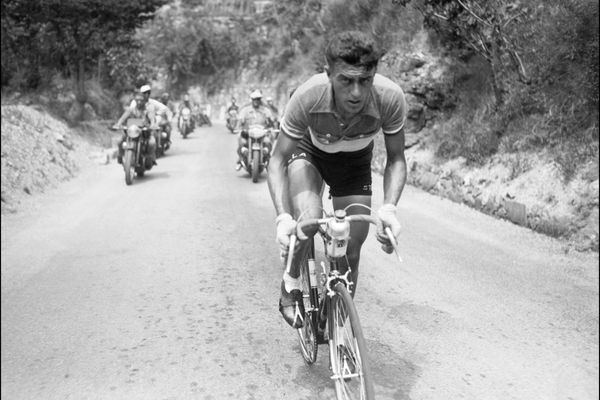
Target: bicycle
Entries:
(330, 314)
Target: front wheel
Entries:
(308, 333)
(255, 165)
(347, 350)
(128, 166)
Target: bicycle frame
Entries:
(333, 311)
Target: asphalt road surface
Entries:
(168, 289)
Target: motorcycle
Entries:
(185, 122)
(162, 143)
(135, 148)
(256, 156)
(232, 120)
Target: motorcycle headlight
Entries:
(133, 131)
(256, 133)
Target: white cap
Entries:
(257, 94)
(145, 88)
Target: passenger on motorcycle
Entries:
(165, 113)
(272, 107)
(165, 98)
(138, 109)
(254, 113)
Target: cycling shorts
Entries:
(346, 173)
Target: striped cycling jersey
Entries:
(311, 111)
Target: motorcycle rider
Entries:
(159, 109)
(275, 112)
(138, 109)
(272, 106)
(165, 98)
(187, 103)
(232, 107)
(254, 113)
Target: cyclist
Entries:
(328, 130)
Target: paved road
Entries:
(167, 289)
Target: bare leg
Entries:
(305, 190)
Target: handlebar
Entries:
(320, 221)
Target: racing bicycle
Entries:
(330, 316)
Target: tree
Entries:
(485, 28)
(70, 35)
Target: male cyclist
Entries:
(328, 130)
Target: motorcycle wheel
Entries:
(255, 165)
(128, 166)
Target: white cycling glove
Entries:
(387, 216)
(286, 226)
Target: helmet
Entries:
(145, 88)
(257, 94)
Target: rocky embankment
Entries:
(39, 152)
(525, 188)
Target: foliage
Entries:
(543, 63)
(68, 36)
(194, 47)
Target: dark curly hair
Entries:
(355, 48)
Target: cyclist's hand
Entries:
(387, 216)
(285, 227)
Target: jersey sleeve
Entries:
(294, 122)
(394, 111)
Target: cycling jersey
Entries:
(311, 111)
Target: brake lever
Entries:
(392, 239)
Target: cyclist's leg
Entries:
(305, 188)
(358, 230)
(305, 185)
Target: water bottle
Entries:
(339, 229)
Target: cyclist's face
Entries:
(351, 87)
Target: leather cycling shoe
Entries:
(291, 306)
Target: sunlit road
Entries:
(168, 289)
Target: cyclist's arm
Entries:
(277, 173)
(394, 175)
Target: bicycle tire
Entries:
(307, 334)
(347, 349)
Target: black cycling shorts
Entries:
(346, 173)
